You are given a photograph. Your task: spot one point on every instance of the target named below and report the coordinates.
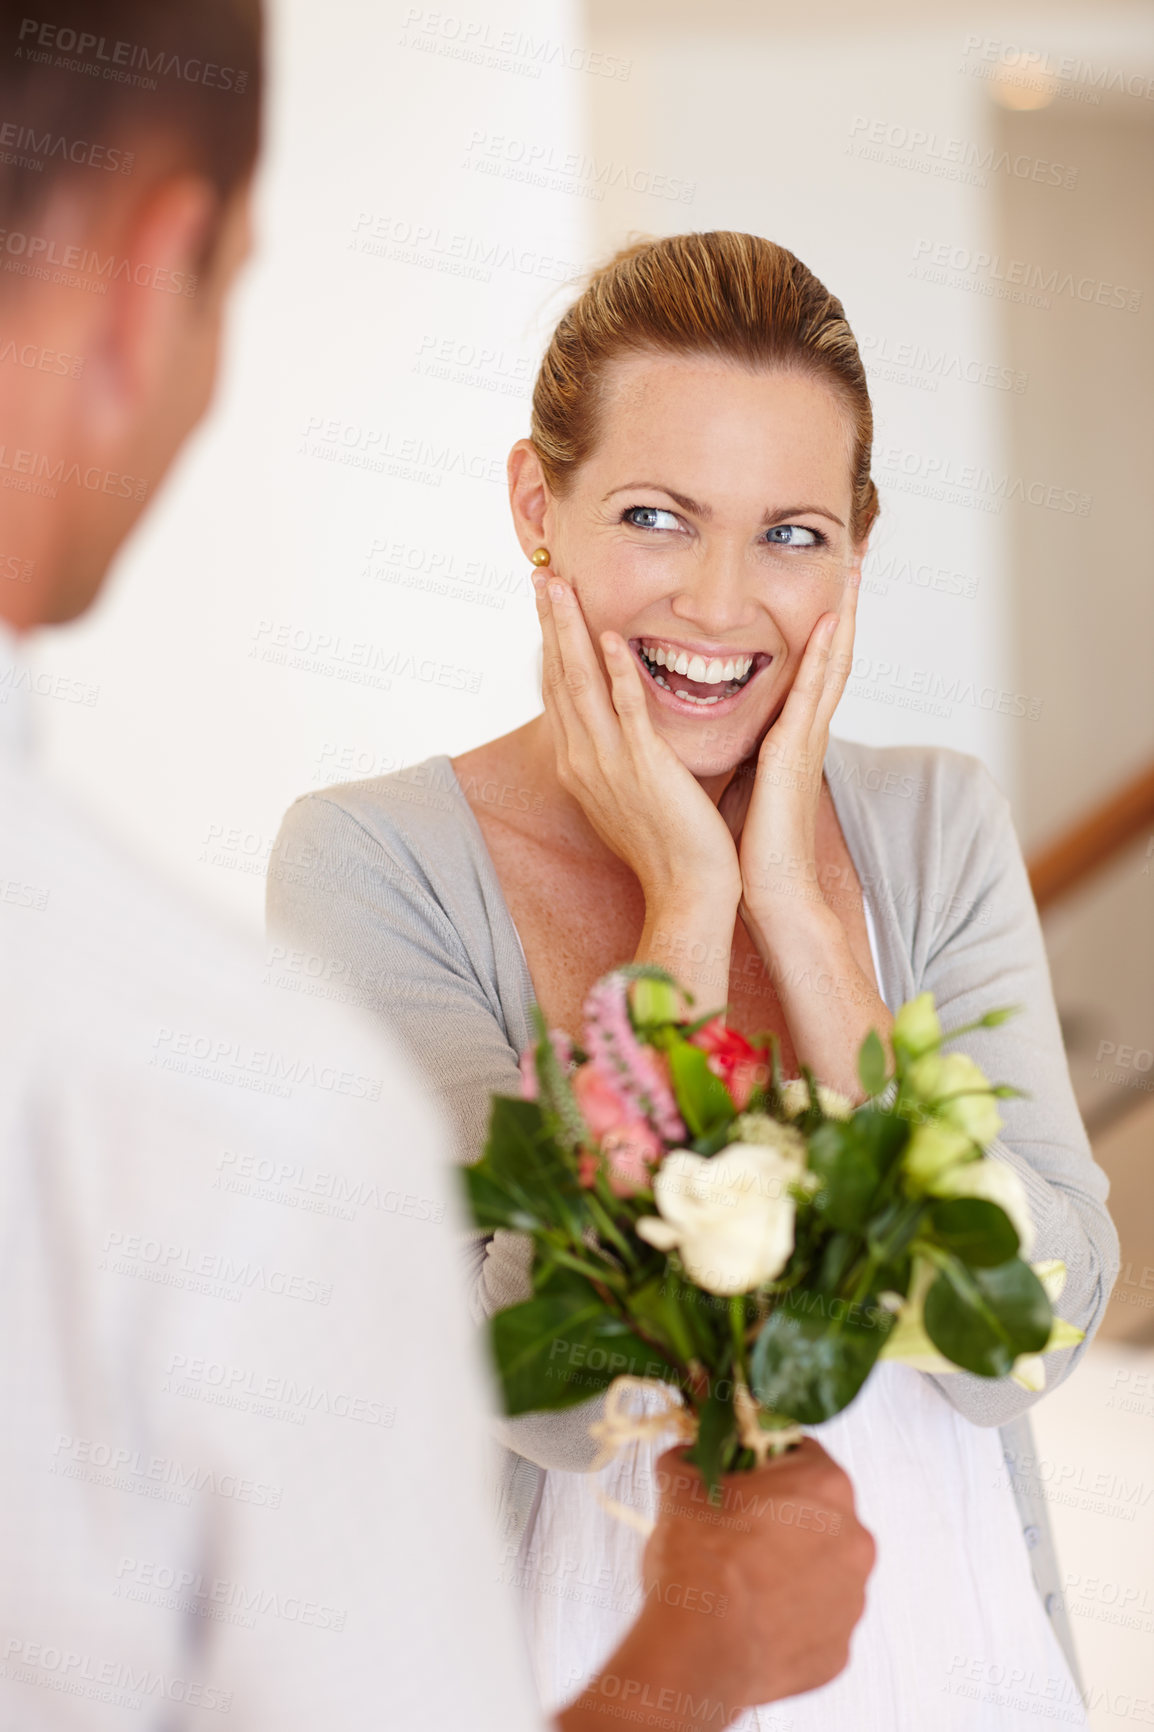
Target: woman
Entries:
(696, 496)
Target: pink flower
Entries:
(731, 1057)
(631, 1152)
(632, 1066)
(603, 1109)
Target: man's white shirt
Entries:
(243, 1438)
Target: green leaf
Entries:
(564, 1346)
(981, 1319)
(814, 1354)
(840, 1251)
(491, 1206)
(871, 1063)
(656, 1305)
(975, 1230)
(849, 1177)
(523, 1180)
(716, 1435)
(882, 1134)
(890, 1233)
(703, 1098)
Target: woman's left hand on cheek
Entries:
(778, 839)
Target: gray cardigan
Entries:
(388, 889)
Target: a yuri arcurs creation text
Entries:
(751, 1245)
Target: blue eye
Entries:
(649, 517)
(777, 536)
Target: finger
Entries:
(788, 741)
(811, 675)
(552, 670)
(840, 664)
(581, 687)
(626, 690)
(569, 732)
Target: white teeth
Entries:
(712, 671)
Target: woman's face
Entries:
(710, 529)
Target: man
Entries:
(241, 1462)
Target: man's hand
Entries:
(745, 1602)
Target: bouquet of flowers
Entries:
(750, 1245)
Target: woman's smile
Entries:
(696, 678)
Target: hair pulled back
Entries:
(732, 295)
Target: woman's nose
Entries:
(717, 599)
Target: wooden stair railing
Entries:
(1092, 842)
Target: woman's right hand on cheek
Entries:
(634, 789)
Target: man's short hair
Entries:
(89, 87)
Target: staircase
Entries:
(1094, 886)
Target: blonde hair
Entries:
(723, 293)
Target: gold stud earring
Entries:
(540, 556)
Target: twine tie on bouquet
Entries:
(761, 1443)
(621, 1426)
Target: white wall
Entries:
(379, 245)
(432, 179)
(861, 139)
(770, 123)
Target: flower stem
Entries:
(610, 1278)
(737, 1324)
(608, 1227)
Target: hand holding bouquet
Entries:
(754, 1245)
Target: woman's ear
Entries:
(528, 496)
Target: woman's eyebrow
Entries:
(694, 509)
(705, 512)
(772, 517)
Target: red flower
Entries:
(731, 1057)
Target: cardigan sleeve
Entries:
(349, 914)
(986, 951)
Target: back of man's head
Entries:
(80, 79)
(128, 134)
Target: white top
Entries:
(242, 1438)
(954, 1635)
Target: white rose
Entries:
(997, 1183)
(933, 1150)
(795, 1100)
(916, 1026)
(730, 1217)
(974, 1110)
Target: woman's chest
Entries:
(576, 922)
